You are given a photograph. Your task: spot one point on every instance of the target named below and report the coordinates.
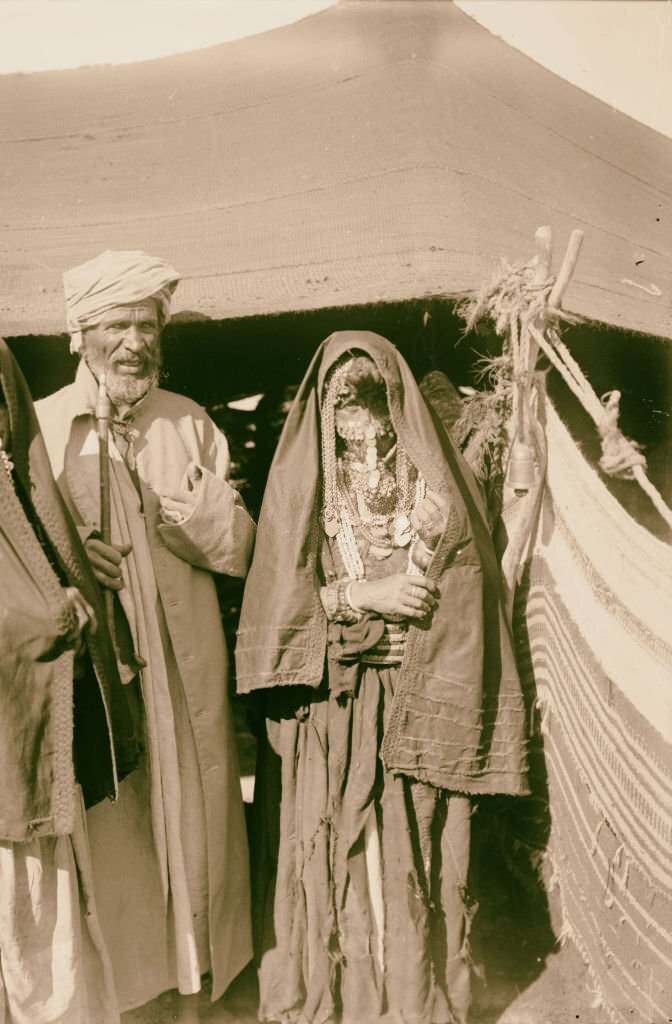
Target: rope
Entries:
(519, 307)
(621, 457)
(619, 454)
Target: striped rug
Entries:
(597, 609)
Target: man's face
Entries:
(126, 346)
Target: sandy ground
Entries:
(525, 978)
(561, 994)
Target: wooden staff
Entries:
(535, 449)
(103, 414)
(522, 473)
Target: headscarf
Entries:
(104, 704)
(115, 278)
(458, 717)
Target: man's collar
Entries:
(85, 391)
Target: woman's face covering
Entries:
(359, 426)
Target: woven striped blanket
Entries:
(597, 611)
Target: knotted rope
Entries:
(520, 307)
(622, 457)
(619, 454)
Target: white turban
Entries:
(114, 279)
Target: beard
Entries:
(124, 390)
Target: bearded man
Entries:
(170, 857)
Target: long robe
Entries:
(170, 858)
(54, 967)
(362, 907)
(372, 773)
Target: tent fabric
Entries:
(597, 613)
(376, 151)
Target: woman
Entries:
(372, 550)
(60, 699)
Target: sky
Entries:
(619, 50)
(38, 35)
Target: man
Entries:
(66, 737)
(170, 858)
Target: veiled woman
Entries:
(373, 620)
(65, 737)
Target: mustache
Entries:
(149, 359)
(129, 390)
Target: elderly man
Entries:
(170, 857)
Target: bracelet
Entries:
(345, 611)
(329, 600)
(335, 603)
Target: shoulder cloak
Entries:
(458, 717)
(49, 715)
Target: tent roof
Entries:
(375, 151)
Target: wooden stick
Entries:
(103, 413)
(567, 269)
(544, 240)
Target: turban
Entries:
(114, 279)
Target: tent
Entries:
(377, 151)
(375, 155)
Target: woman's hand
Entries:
(429, 518)
(414, 597)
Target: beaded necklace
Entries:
(338, 512)
(347, 542)
(383, 510)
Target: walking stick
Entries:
(103, 413)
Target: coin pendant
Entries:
(331, 524)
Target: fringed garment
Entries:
(363, 912)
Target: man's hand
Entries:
(85, 617)
(429, 518)
(414, 597)
(179, 505)
(106, 561)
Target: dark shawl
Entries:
(41, 736)
(458, 718)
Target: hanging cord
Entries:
(523, 301)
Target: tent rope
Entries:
(523, 302)
(622, 457)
